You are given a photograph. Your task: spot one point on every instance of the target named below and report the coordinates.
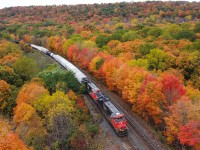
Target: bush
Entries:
(93, 129)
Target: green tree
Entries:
(69, 30)
(76, 37)
(129, 36)
(62, 86)
(185, 26)
(156, 32)
(101, 40)
(11, 102)
(49, 106)
(197, 27)
(8, 47)
(119, 26)
(99, 63)
(117, 35)
(89, 44)
(145, 48)
(8, 74)
(189, 64)
(195, 45)
(157, 59)
(171, 31)
(53, 75)
(25, 67)
(185, 34)
(5, 93)
(139, 63)
(4, 35)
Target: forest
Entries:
(147, 52)
(41, 106)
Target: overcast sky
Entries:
(10, 3)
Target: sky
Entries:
(10, 3)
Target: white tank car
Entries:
(42, 49)
(69, 66)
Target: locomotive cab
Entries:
(116, 118)
(120, 124)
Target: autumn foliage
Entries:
(5, 92)
(147, 52)
(153, 96)
(8, 139)
(27, 122)
(173, 89)
(190, 134)
(49, 124)
(151, 102)
(30, 93)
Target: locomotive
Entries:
(116, 118)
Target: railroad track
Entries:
(137, 134)
(133, 139)
(126, 142)
(134, 131)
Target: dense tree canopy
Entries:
(5, 93)
(148, 52)
(39, 130)
(9, 139)
(8, 74)
(25, 67)
(60, 115)
(53, 76)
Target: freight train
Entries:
(116, 118)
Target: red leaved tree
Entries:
(173, 89)
(190, 133)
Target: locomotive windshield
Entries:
(121, 119)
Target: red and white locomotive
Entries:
(116, 118)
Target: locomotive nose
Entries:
(122, 125)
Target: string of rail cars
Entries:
(115, 117)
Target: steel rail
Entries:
(132, 123)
